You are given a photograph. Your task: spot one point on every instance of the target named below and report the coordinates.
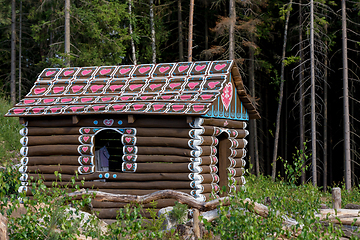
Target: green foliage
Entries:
(293, 171)
(289, 60)
(179, 212)
(9, 135)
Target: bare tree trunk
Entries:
(67, 33)
(133, 51)
(152, 23)
(20, 36)
(232, 17)
(254, 152)
(190, 40)
(206, 26)
(346, 100)
(181, 36)
(13, 52)
(313, 113)
(276, 141)
(301, 97)
(325, 179)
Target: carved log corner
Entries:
(131, 118)
(75, 119)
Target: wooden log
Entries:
(207, 178)
(130, 185)
(206, 151)
(117, 121)
(42, 131)
(47, 150)
(136, 192)
(66, 169)
(238, 163)
(236, 172)
(53, 140)
(223, 123)
(170, 142)
(52, 160)
(336, 197)
(158, 204)
(196, 223)
(3, 227)
(163, 132)
(180, 196)
(169, 168)
(160, 158)
(238, 133)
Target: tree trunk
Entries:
(20, 36)
(254, 153)
(133, 51)
(13, 52)
(325, 158)
(276, 141)
(206, 26)
(346, 100)
(313, 96)
(301, 96)
(152, 23)
(67, 33)
(181, 36)
(190, 40)
(232, 16)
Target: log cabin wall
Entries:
(156, 153)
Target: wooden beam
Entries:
(189, 119)
(131, 118)
(75, 119)
(43, 131)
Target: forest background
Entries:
(290, 54)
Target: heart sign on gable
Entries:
(226, 95)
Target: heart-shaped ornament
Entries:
(49, 73)
(105, 71)
(39, 90)
(114, 87)
(108, 122)
(124, 70)
(158, 106)
(163, 69)
(219, 66)
(68, 72)
(183, 68)
(144, 69)
(226, 95)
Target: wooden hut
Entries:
(136, 129)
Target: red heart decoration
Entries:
(86, 72)
(128, 131)
(118, 107)
(164, 69)
(153, 86)
(86, 138)
(87, 130)
(128, 157)
(213, 84)
(19, 110)
(86, 159)
(130, 149)
(185, 97)
(174, 85)
(86, 169)
(206, 96)
(128, 166)
(134, 86)
(54, 109)
(158, 106)
(49, 73)
(105, 99)
(47, 100)
(29, 101)
(39, 90)
(95, 88)
(192, 85)
(114, 87)
(124, 70)
(126, 98)
(182, 68)
(220, 66)
(138, 106)
(85, 149)
(108, 122)
(76, 88)
(97, 108)
(198, 108)
(74, 109)
(37, 110)
(105, 71)
(166, 97)
(85, 99)
(68, 72)
(127, 139)
(144, 69)
(177, 107)
(226, 96)
(199, 68)
(64, 100)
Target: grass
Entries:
(9, 135)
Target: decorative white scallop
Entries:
(24, 151)
(23, 132)
(24, 141)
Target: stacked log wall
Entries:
(156, 154)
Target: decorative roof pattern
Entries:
(167, 88)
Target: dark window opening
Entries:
(108, 145)
(223, 153)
